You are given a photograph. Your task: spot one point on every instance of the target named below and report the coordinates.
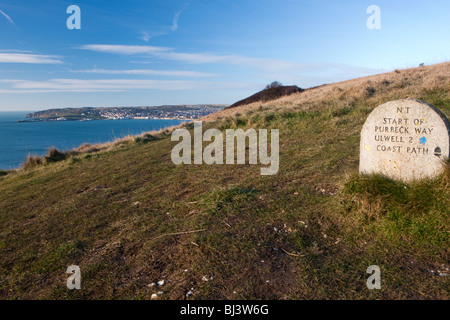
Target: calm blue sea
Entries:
(18, 139)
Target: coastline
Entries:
(167, 112)
(20, 139)
(82, 120)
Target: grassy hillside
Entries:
(129, 217)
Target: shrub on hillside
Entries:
(53, 155)
(32, 161)
(275, 84)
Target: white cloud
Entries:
(146, 36)
(258, 63)
(175, 21)
(177, 17)
(7, 17)
(124, 49)
(82, 85)
(169, 73)
(266, 65)
(195, 58)
(8, 57)
(15, 50)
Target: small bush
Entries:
(54, 155)
(145, 138)
(32, 161)
(269, 117)
(240, 122)
(370, 91)
(275, 84)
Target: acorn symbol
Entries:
(437, 152)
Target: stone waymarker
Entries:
(405, 140)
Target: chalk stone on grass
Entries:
(405, 140)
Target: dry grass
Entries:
(408, 83)
(53, 155)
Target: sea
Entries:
(19, 139)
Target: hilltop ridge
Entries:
(269, 93)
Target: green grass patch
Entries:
(241, 122)
(418, 211)
(342, 112)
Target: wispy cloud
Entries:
(124, 49)
(8, 57)
(168, 73)
(7, 17)
(266, 65)
(15, 50)
(194, 58)
(259, 63)
(146, 35)
(82, 85)
(177, 17)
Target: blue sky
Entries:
(154, 52)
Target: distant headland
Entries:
(180, 112)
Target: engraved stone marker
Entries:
(405, 140)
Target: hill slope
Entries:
(129, 217)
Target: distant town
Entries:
(181, 112)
